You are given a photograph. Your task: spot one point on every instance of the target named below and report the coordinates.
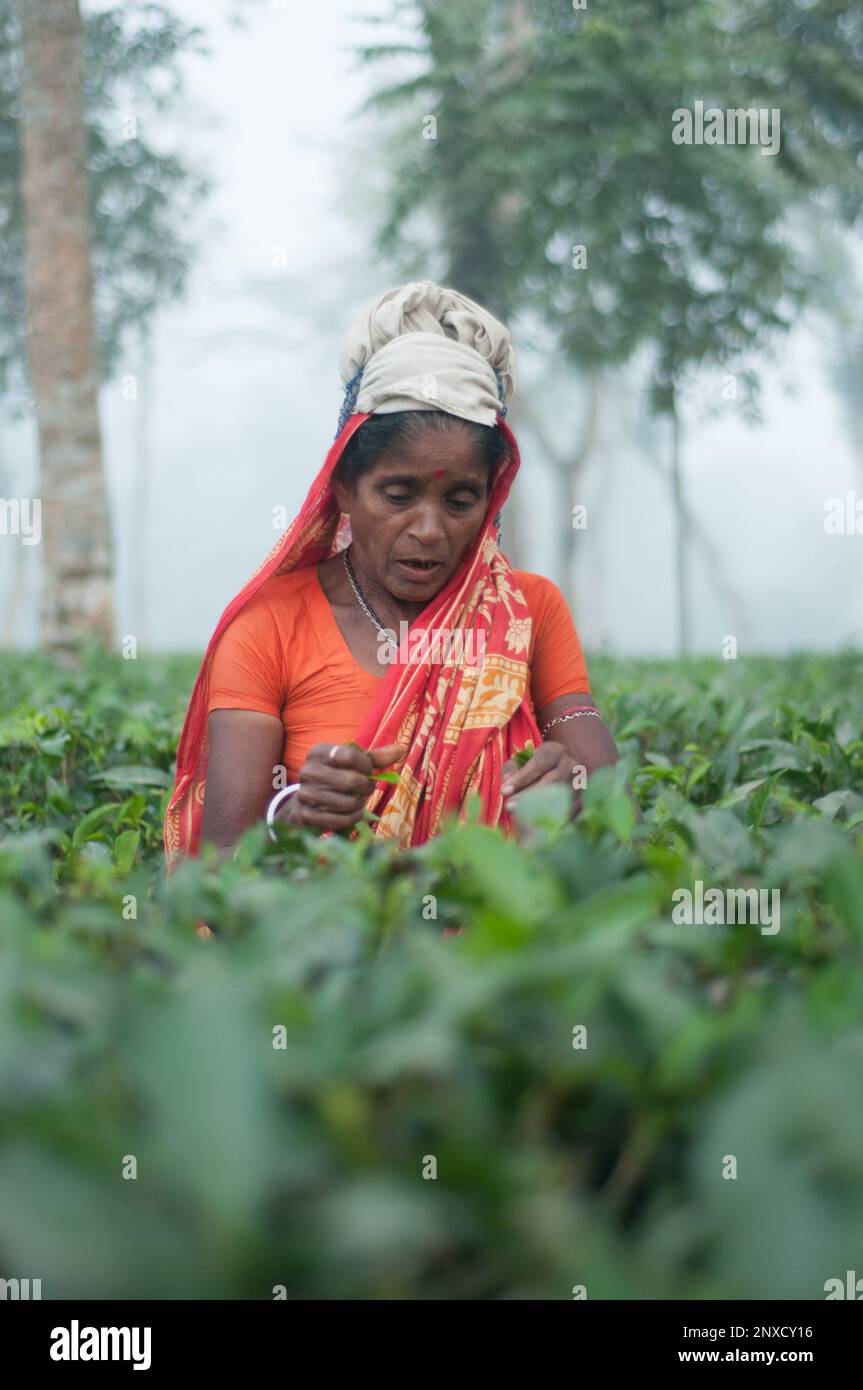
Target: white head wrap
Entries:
(422, 347)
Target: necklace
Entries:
(360, 596)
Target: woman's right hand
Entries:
(335, 784)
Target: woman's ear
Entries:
(342, 494)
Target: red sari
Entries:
(460, 723)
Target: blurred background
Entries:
(688, 318)
(194, 201)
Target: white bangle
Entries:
(276, 803)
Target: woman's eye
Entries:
(458, 504)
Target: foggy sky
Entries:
(245, 394)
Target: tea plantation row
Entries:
(578, 1095)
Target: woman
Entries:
(386, 626)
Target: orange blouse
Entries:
(284, 654)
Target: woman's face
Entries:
(416, 511)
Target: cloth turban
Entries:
(422, 347)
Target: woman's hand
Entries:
(335, 784)
(550, 765)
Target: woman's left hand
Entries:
(549, 765)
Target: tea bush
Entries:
(339, 1098)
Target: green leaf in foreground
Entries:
(125, 849)
(133, 777)
(94, 821)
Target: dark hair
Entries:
(381, 434)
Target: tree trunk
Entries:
(77, 549)
(734, 609)
(573, 494)
(589, 604)
(515, 522)
(514, 541)
(679, 522)
(568, 473)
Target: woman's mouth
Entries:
(420, 569)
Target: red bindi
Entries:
(439, 472)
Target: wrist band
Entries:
(276, 803)
(572, 713)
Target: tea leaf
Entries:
(524, 754)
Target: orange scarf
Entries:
(460, 723)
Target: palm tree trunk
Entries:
(77, 549)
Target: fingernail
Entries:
(512, 803)
(507, 789)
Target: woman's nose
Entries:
(426, 524)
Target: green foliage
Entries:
(123, 1034)
(554, 132)
(142, 197)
